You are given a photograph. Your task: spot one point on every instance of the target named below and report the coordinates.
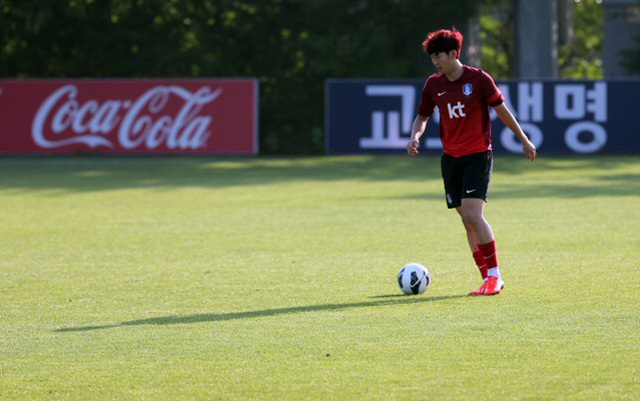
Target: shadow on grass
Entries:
(95, 173)
(603, 175)
(220, 317)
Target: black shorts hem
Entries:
(466, 177)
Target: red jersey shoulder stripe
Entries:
(496, 99)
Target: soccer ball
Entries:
(414, 279)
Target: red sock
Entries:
(480, 262)
(490, 254)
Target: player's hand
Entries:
(412, 147)
(529, 150)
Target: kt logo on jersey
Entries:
(456, 111)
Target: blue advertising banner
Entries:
(560, 117)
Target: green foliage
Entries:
(582, 57)
(497, 37)
(579, 59)
(291, 46)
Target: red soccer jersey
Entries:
(465, 125)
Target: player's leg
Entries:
(474, 196)
(473, 216)
(478, 257)
(453, 170)
(472, 213)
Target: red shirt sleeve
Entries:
(491, 91)
(427, 105)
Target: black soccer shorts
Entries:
(466, 177)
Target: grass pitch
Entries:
(275, 279)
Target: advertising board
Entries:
(560, 117)
(208, 116)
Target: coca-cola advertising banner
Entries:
(129, 116)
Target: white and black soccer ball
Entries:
(414, 279)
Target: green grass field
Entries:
(275, 279)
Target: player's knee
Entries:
(466, 222)
(471, 218)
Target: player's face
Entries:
(444, 62)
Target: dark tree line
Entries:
(291, 46)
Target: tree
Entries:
(580, 58)
(291, 46)
(497, 19)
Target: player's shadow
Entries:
(382, 300)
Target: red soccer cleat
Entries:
(492, 286)
(479, 291)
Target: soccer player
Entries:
(463, 95)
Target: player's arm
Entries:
(419, 125)
(510, 121)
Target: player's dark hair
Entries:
(443, 40)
